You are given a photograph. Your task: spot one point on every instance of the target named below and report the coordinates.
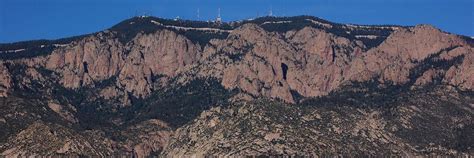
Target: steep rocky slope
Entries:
(414, 123)
(128, 89)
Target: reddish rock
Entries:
(5, 80)
(309, 61)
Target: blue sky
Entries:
(50, 19)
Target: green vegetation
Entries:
(178, 105)
(33, 48)
(299, 22)
(129, 28)
(202, 37)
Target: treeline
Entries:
(29, 52)
(299, 22)
(32, 48)
(128, 29)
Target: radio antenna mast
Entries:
(271, 11)
(219, 19)
(198, 16)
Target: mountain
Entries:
(271, 86)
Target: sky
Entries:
(22, 20)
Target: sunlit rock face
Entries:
(158, 87)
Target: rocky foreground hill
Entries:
(271, 86)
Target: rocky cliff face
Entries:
(148, 72)
(313, 62)
(44, 139)
(310, 61)
(5, 80)
(100, 57)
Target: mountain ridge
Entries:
(145, 86)
(212, 23)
